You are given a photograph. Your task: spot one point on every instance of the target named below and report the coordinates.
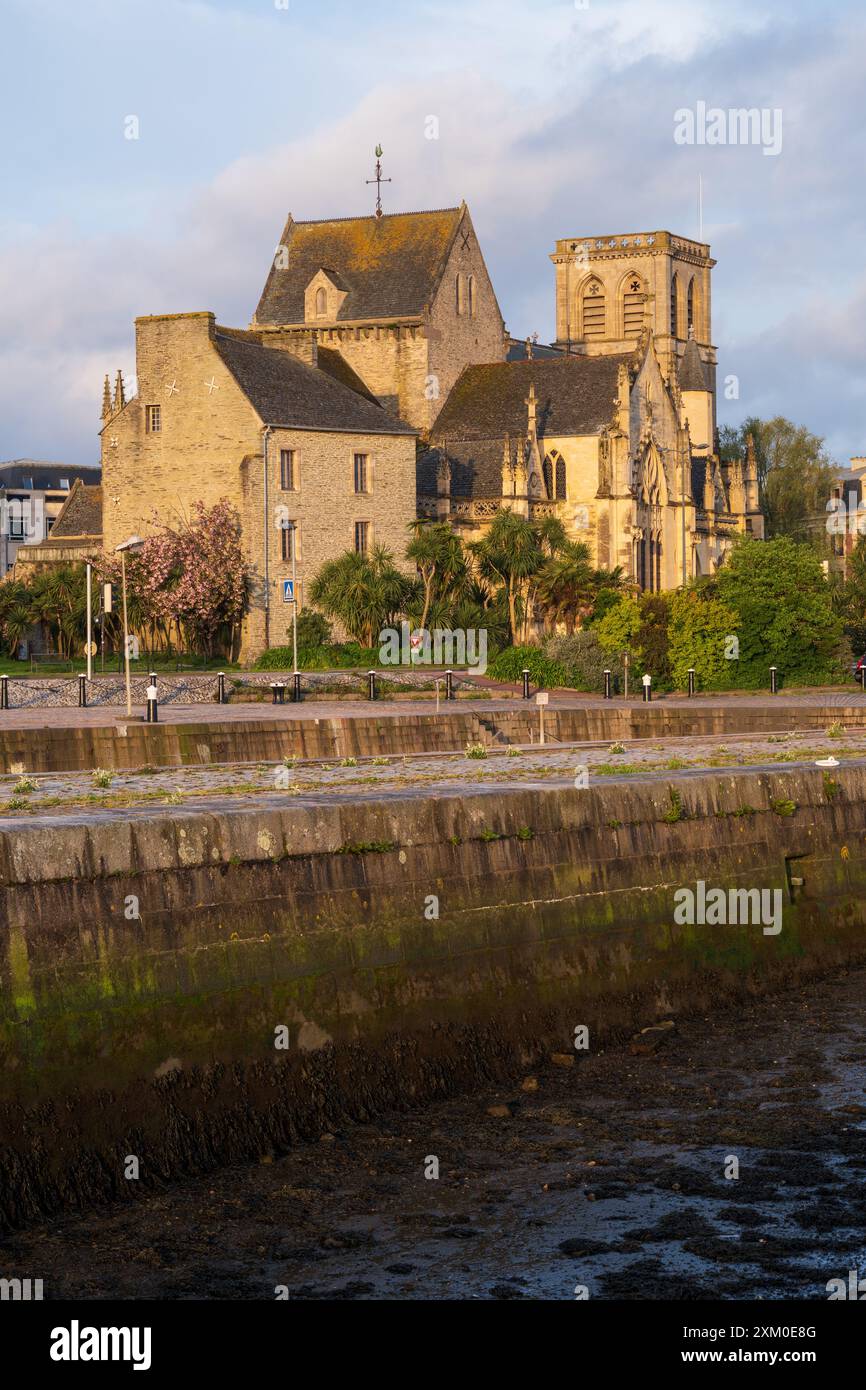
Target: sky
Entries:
(556, 118)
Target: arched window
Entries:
(547, 470)
(593, 310)
(632, 306)
(321, 303)
(675, 308)
(460, 288)
(472, 296)
(690, 305)
(560, 476)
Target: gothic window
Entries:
(321, 303)
(472, 296)
(461, 294)
(675, 309)
(690, 305)
(547, 470)
(560, 477)
(632, 306)
(593, 310)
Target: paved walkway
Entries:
(106, 717)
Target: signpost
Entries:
(541, 700)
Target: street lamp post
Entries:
(134, 543)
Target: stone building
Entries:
(612, 428)
(376, 334)
(405, 299)
(32, 496)
(75, 534)
(300, 449)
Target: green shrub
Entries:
(314, 630)
(582, 658)
(509, 666)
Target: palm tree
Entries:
(363, 592)
(508, 555)
(439, 556)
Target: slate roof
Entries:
(476, 467)
(46, 477)
(575, 396)
(285, 391)
(390, 266)
(517, 350)
(81, 513)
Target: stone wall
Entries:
(148, 962)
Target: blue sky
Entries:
(555, 119)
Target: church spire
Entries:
(106, 399)
(119, 392)
(507, 470)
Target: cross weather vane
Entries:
(378, 180)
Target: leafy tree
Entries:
(314, 630)
(786, 618)
(617, 630)
(794, 475)
(510, 555)
(698, 636)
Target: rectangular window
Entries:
(287, 470)
(287, 541)
(153, 419)
(362, 536)
(360, 472)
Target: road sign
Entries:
(90, 649)
(288, 591)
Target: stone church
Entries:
(377, 383)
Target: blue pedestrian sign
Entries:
(288, 591)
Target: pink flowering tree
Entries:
(187, 585)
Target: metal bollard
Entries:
(4, 692)
(152, 716)
(82, 691)
(371, 677)
(647, 689)
(691, 680)
(774, 682)
(449, 685)
(281, 691)
(607, 694)
(221, 688)
(273, 692)
(296, 688)
(526, 683)
(861, 677)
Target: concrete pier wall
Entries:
(166, 744)
(148, 962)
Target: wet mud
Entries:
(729, 1162)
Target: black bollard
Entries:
(371, 677)
(82, 691)
(281, 688)
(647, 689)
(606, 683)
(152, 716)
(273, 692)
(774, 683)
(449, 685)
(525, 683)
(861, 676)
(296, 688)
(4, 692)
(691, 680)
(221, 688)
